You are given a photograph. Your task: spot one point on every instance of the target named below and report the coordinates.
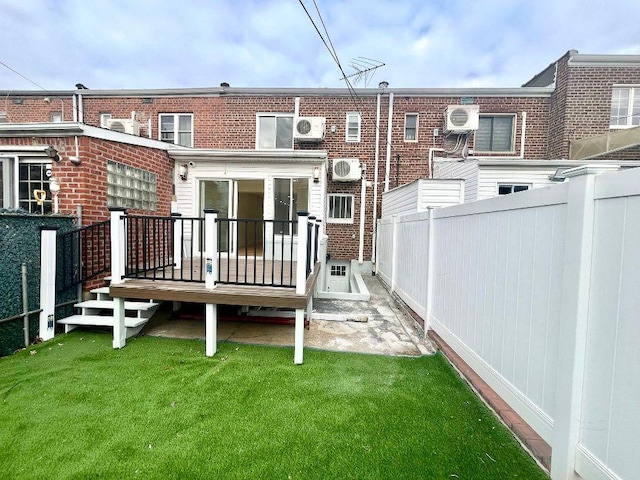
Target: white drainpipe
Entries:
(375, 182)
(389, 129)
(363, 196)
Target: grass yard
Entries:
(160, 409)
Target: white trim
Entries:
(176, 127)
(417, 115)
(341, 220)
(275, 115)
(590, 466)
(634, 90)
(347, 137)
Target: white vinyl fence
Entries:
(539, 292)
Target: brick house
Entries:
(236, 148)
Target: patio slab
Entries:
(377, 327)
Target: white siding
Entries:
(490, 177)
(466, 170)
(400, 200)
(421, 194)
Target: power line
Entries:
(21, 75)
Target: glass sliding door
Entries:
(217, 194)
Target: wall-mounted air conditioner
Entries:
(461, 118)
(346, 170)
(309, 129)
(124, 125)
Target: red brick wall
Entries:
(33, 109)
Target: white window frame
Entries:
(634, 97)
(512, 147)
(343, 220)
(6, 168)
(45, 164)
(104, 119)
(176, 125)
(406, 116)
(350, 138)
(513, 187)
(55, 117)
(274, 115)
(293, 214)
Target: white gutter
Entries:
(363, 196)
(389, 130)
(375, 182)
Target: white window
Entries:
(411, 127)
(291, 195)
(32, 180)
(177, 128)
(495, 133)
(353, 127)
(340, 208)
(131, 187)
(274, 130)
(507, 188)
(625, 107)
(338, 270)
(104, 119)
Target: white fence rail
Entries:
(538, 293)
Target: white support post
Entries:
(312, 219)
(118, 247)
(375, 242)
(573, 319)
(298, 349)
(177, 240)
(210, 279)
(118, 258)
(211, 329)
(48, 255)
(301, 258)
(211, 248)
(430, 269)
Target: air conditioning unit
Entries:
(309, 129)
(461, 118)
(346, 170)
(124, 125)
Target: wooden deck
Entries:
(222, 294)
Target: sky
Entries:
(118, 44)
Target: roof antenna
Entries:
(364, 69)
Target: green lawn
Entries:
(160, 409)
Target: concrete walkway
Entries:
(377, 326)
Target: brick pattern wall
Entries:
(34, 109)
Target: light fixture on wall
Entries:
(316, 174)
(182, 171)
(52, 153)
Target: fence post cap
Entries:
(175, 214)
(302, 213)
(210, 210)
(311, 217)
(117, 209)
(48, 227)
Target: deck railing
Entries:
(247, 251)
(83, 254)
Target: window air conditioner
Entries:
(309, 129)
(124, 125)
(346, 170)
(461, 118)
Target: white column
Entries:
(210, 279)
(48, 255)
(211, 329)
(430, 269)
(177, 241)
(301, 258)
(118, 258)
(394, 256)
(118, 247)
(573, 319)
(312, 220)
(299, 337)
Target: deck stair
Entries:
(98, 312)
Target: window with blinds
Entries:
(340, 208)
(353, 127)
(495, 133)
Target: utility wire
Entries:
(21, 75)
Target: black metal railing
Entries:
(84, 253)
(249, 251)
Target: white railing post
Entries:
(48, 255)
(429, 272)
(301, 259)
(573, 318)
(210, 279)
(177, 240)
(118, 247)
(211, 248)
(312, 253)
(118, 259)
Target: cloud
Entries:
(112, 44)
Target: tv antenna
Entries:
(364, 69)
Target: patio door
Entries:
(237, 199)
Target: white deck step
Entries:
(101, 290)
(100, 321)
(108, 305)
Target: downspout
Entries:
(80, 109)
(375, 183)
(296, 108)
(523, 133)
(388, 165)
(75, 107)
(363, 196)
